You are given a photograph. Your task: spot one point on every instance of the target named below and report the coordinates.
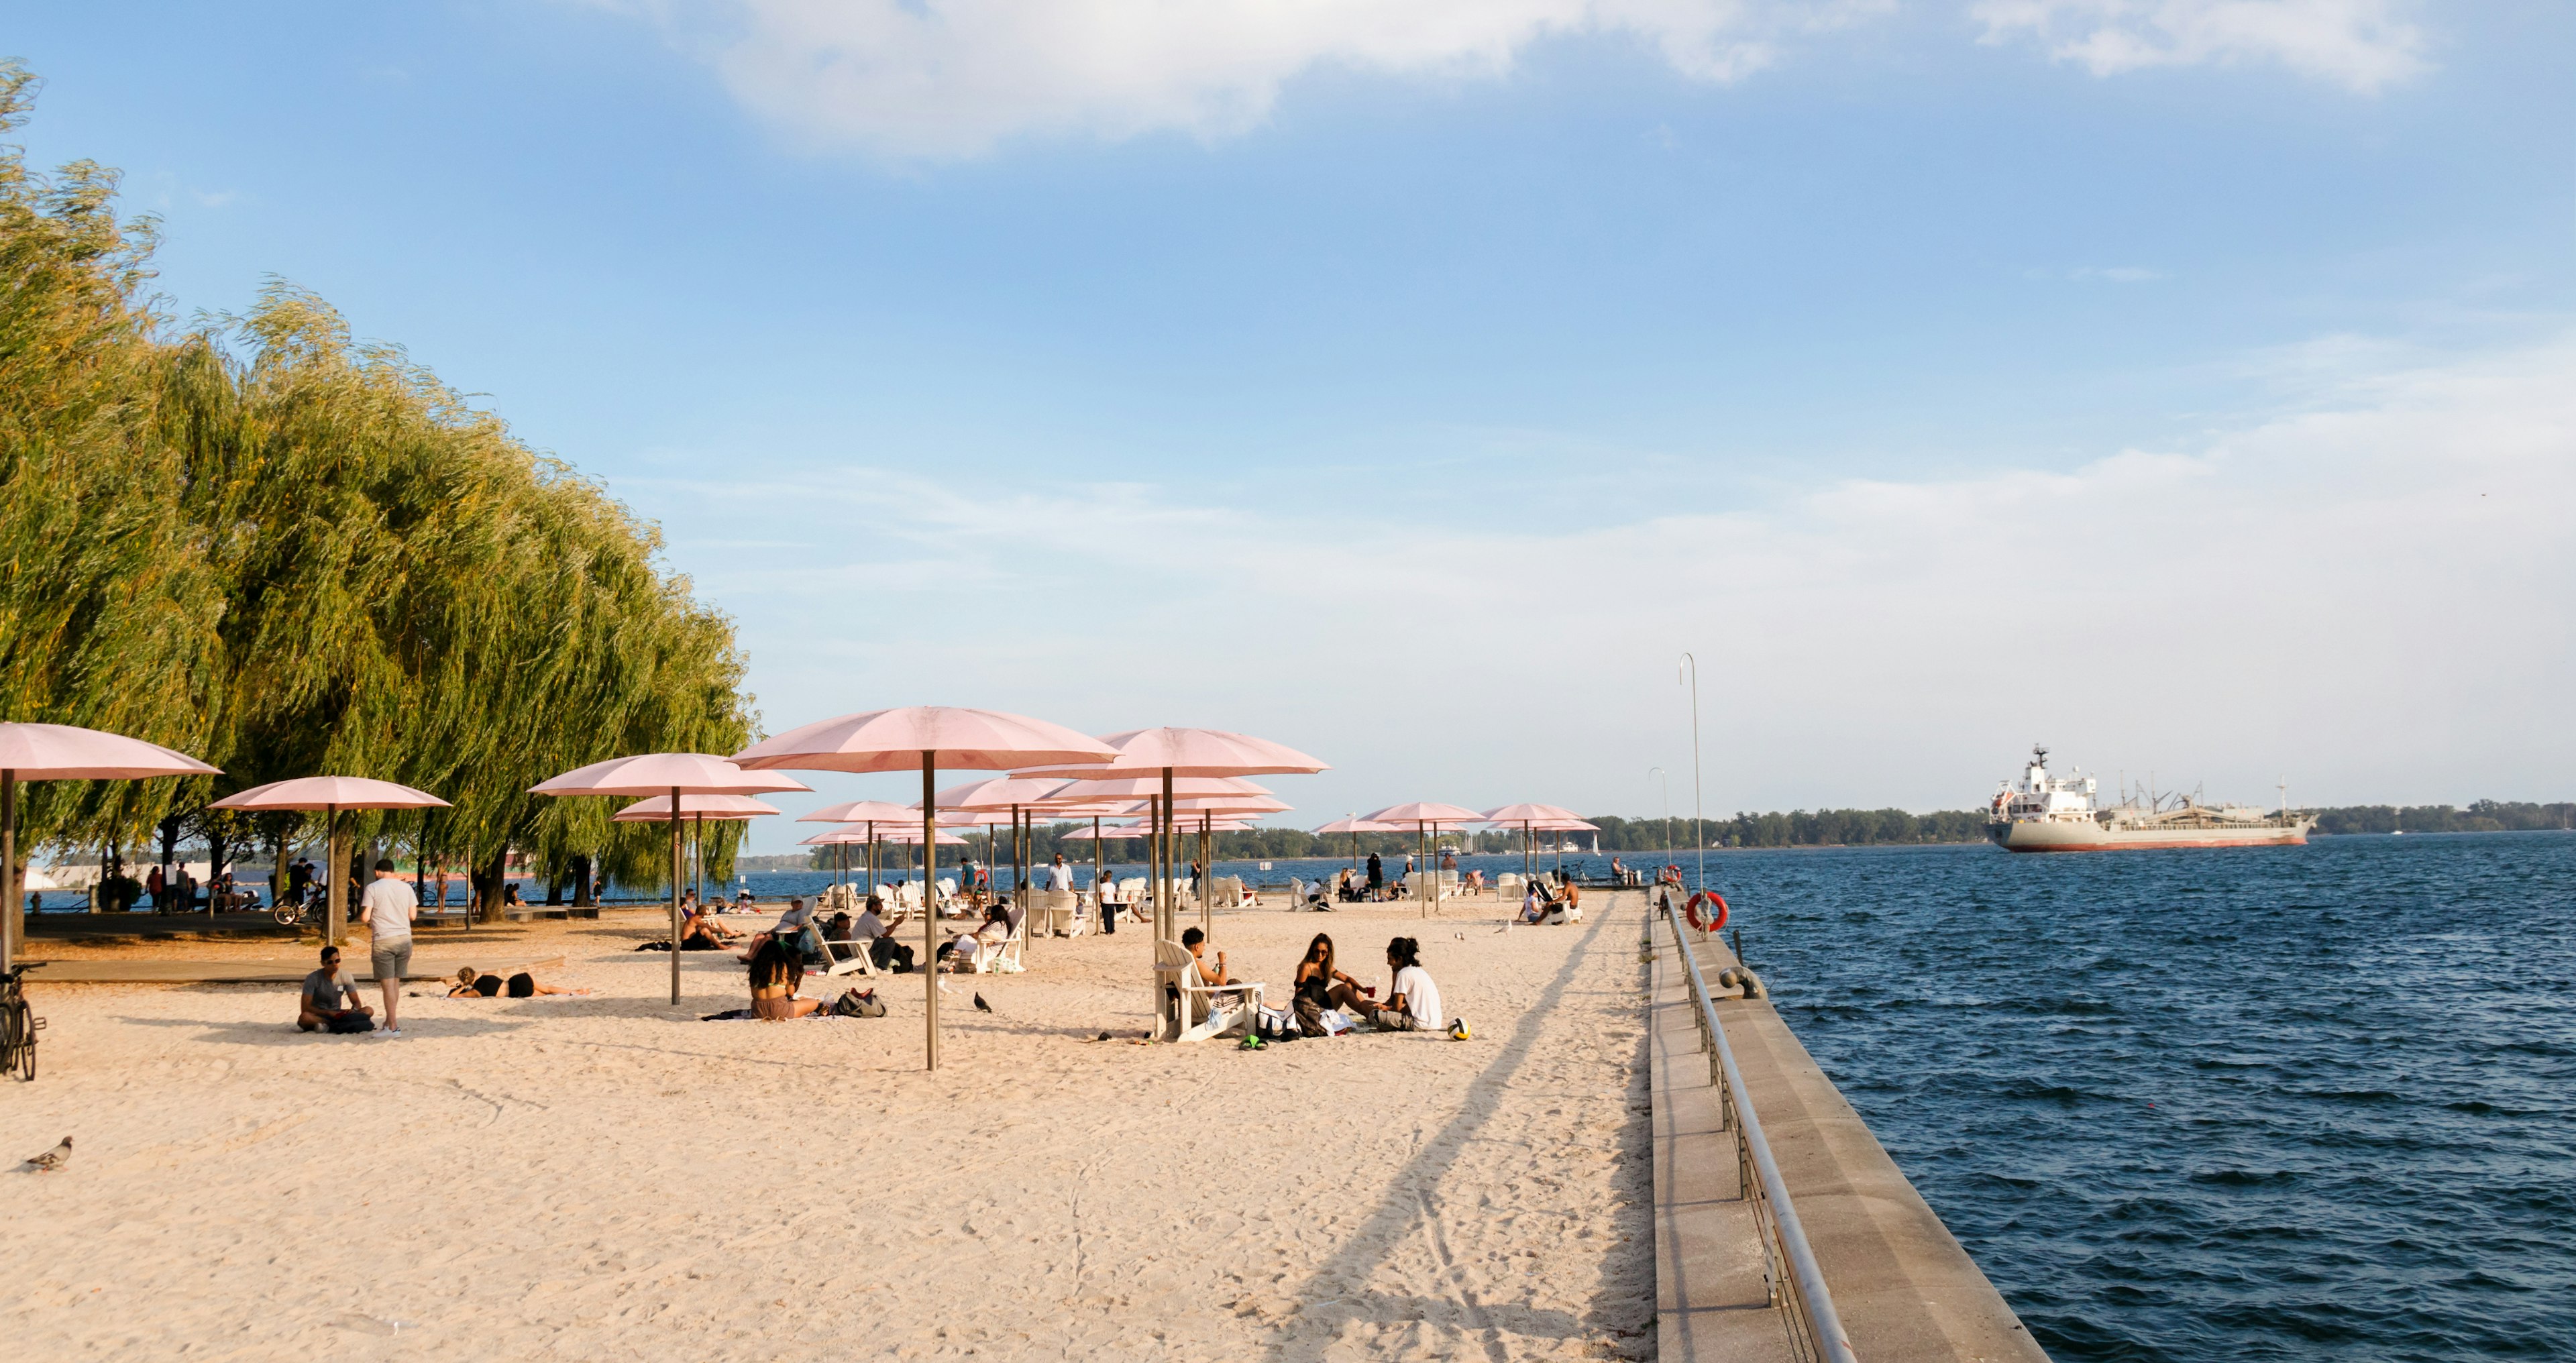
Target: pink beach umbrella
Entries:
(1427, 817)
(64, 752)
(1567, 825)
(1355, 825)
(1526, 815)
(927, 737)
(1016, 794)
(331, 794)
(674, 774)
(867, 812)
(1173, 753)
(697, 809)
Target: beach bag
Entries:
(352, 1022)
(855, 1003)
(1274, 1024)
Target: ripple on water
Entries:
(2305, 1103)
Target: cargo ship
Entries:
(2045, 813)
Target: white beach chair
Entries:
(1060, 911)
(856, 963)
(1005, 958)
(1193, 1009)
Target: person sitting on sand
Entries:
(1320, 987)
(480, 984)
(330, 1000)
(1533, 904)
(1569, 905)
(1412, 1000)
(776, 973)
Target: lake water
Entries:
(2313, 1103)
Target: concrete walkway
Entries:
(1907, 1292)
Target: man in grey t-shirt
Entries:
(388, 905)
(330, 1000)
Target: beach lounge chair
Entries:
(1062, 912)
(1005, 958)
(1195, 1010)
(856, 963)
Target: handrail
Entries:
(1811, 1302)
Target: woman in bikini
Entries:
(776, 971)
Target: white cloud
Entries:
(2362, 593)
(913, 78)
(2365, 45)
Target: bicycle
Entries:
(18, 1027)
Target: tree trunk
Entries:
(581, 895)
(489, 880)
(555, 891)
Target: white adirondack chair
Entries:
(1193, 1009)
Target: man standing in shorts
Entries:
(387, 906)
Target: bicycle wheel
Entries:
(17, 1039)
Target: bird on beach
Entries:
(51, 1160)
(981, 1006)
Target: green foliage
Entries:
(2484, 816)
(287, 553)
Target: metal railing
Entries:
(1788, 1263)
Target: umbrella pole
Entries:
(930, 918)
(12, 923)
(337, 900)
(1099, 905)
(1207, 876)
(679, 872)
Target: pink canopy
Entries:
(660, 773)
(1358, 825)
(1564, 826)
(1113, 833)
(331, 792)
(63, 752)
(658, 808)
(1425, 812)
(1150, 787)
(941, 735)
(999, 792)
(836, 836)
(1190, 752)
(861, 811)
(1228, 804)
(962, 818)
(1526, 813)
(911, 837)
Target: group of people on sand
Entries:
(329, 1000)
(1547, 901)
(1327, 1002)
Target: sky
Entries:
(2189, 385)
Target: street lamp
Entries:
(1699, 831)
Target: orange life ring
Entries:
(1691, 910)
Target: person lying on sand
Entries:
(776, 972)
(476, 984)
(330, 1000)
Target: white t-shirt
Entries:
(869, 925)
(1421, 996)
(388, 904)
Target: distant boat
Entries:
(2046, 813)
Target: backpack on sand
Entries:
(855, 1003)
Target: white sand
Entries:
(594, 1178)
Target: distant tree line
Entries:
(2482, 816)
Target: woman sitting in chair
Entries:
(993, 932)
(776, 972)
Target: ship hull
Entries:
(2088, 836)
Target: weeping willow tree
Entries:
(263, 543)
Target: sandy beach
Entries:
(597, 1177)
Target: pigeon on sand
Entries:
(981, 1006)
(51, 1160)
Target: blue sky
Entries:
(2185, 383)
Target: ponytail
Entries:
(1406, 951)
